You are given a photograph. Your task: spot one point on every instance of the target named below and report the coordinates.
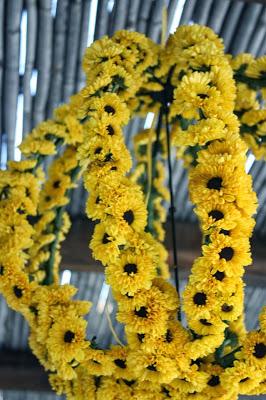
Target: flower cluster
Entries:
(149, 173)
(32, 225)
(250, 76)
(190, 84)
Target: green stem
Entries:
(49, 265)
(253, 83)
(155, 151)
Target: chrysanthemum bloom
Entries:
(66, 339)
(243, 376)
(200, 133)
(194, 93)
(219, 182)
(199, 300)
(18, 291)
(105, 243)
(214, 385)
(146, 312)
(191, 380)
(131, 272)
(212, 325)
(212, 276)
(119, 357)
(155, 367)
(203, 346)
(232, 254)
(218, 216)
(98, 362)
(257, 68)
(254, 350)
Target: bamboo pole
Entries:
(155, 20)
(85, 18)
(262, 49)
(258, 34)
(119, 16)
(71, 58)
(11, 72)
(132, 15)
(101, 26)
(171, 13)
(201, 11)
(144, 12)
(43, 60)
(217, 14)
(245, 28)
(187, 12)
(31, 8)
(2, 9)
(59, 45)
(231, 21)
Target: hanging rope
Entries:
(112, 329)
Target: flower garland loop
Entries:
(189, 84)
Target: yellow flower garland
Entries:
(191, 81)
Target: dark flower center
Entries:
(108, 157)
(98, 150)
(203, 321)
(18, 292)
(259, 350)
(1, 270)
(47, 198)
(200, 299)
(97, 381)
(166, 392)
(198, 362)
(69, 336)
(105, 239)
(141, 337)
(219, 275)
(120, 363)
(227, 308)
(109, 109)
(202, 95)
(129, 383)
(225, 232)
(130, 268)
(142, 312)
(129, 217)
(215, 183)
(168, 336)
(114, 169)
(56, 184)
(216, 215)
(110, 130)
(244, 380)
(152, 367)
(227, 253)
(214, 381)
(33, 310)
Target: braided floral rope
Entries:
(189, 83)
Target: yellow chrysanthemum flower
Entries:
(131, 273)
(254, 350)
(257, 69)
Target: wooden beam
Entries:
(77, 256)
(20, 370)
